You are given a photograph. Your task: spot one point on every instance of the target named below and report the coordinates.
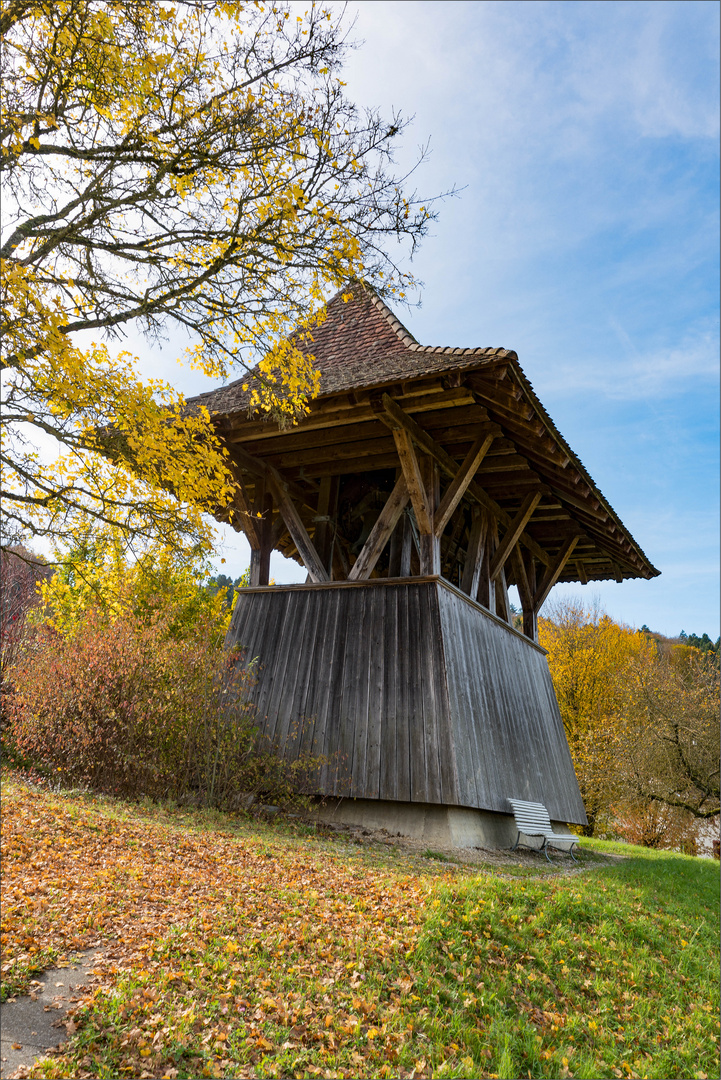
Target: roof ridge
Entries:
(396, 325)
(452, 350)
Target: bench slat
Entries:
(533, 820)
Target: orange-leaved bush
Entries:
(124, 705)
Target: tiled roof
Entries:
(359, 345)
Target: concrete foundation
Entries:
(444, 826)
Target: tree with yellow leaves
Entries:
(593, 661)
(192, 164)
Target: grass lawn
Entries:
(237, 948)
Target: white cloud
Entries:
(531, 102)
(630, 373)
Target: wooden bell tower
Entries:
(422, 483)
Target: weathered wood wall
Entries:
(411, 691)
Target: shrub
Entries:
(654, 825)
(124, 705)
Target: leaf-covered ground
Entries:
(233, 948)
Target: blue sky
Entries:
(585, 138)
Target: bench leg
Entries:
(570, 852)
(516, 843)
(544, 849)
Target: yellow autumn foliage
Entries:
(593, 662)
(98, 574)
(189, 166)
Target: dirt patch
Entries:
(498, 858)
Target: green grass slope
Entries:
(237, 948)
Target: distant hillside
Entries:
(704, 642)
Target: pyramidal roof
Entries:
(360, 344)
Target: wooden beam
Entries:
(381, 531)
(581, 571)
(396, 418)
(554, 571)
(296, 528)
(513, 532)
(262, 468)
(474, 554)
(459, 484)
(331, 413)
(579, 504)
(243, 512)
(414, 480)
(498, 398)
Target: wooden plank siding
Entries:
(411, 690)
(500, 691)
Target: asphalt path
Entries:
(33, 1025)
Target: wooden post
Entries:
(406, 547)
(266, 548)
(430, 542)
(474, 554)
(525, 573)
(487, 584)
(327, 508)
(257, 522)
(262, 528)
(503, 606)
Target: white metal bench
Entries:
(533, 821)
